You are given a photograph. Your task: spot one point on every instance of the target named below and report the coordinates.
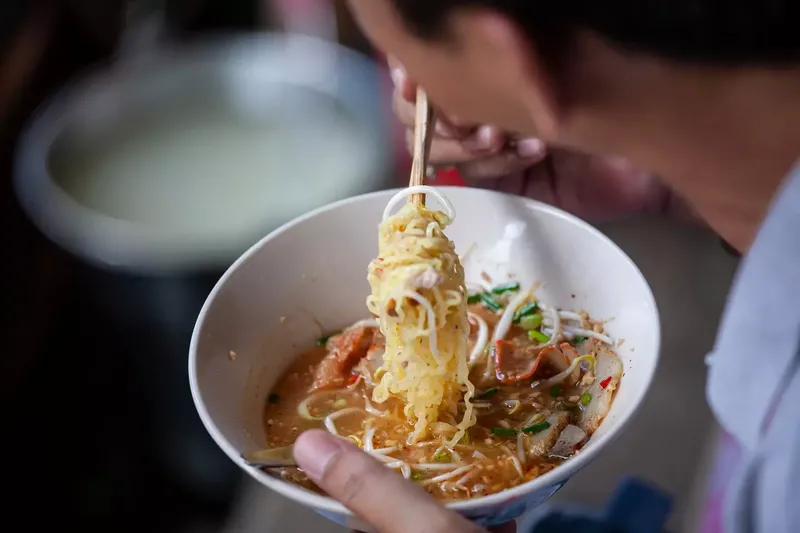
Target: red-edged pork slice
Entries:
(608, 372)
(345, 351)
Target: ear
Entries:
(518, 67)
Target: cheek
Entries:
(465, 100)
(445, 83)
(463, 94)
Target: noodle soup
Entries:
(544, 380)
(254, 358)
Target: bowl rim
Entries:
(94, 236)
(327, 504)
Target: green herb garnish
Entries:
(443, 456)
(525, 310)
(273, 398)
(506, 287)
(489, 302)
(529, 322)
(555, 391)
(537, 428)
(324, 340)
(505, 432)
(417, 476)
(586, 399)
(465, 439)
(487, 393)
(473, 298)
(578, 340)
(538, 336)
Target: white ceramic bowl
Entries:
(309, 277)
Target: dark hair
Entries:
(725, 32)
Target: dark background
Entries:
(99, 430)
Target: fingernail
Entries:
(484, 138)
(314, 450)
(530, 148)
(398, 75)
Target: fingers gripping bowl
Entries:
(308, 279)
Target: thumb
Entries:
(375, 493)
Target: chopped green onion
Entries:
(578, 340)
(489, 302)
(417, 476)
(324, 340)
(525, 310)
(588, 358)
(529, 322)
(465, 439)
(586, 399)
(537, 428)
(538, 336)
(505, 432)
(443, 456)
(473, 298)
(555, 391)
(273, 398)
(487, 393)
(506, 287)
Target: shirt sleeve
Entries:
(771, 493)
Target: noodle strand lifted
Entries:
(420, 299)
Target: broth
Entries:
(529, 420)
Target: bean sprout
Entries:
(561, 376)
(435, 466)
(571, 315)
(366, 323)
(556, 326)
(504, 324)
(580, 332)
(455, 455)
(450, 475)
(371, 408)
(370, 433)
(466, 477)
(489, 370)
(483, 338)
(330, 426)
(388, 449)
(517, 465)
(303, 410)
(403, 466)
(383, 458)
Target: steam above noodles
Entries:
(420, 299)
